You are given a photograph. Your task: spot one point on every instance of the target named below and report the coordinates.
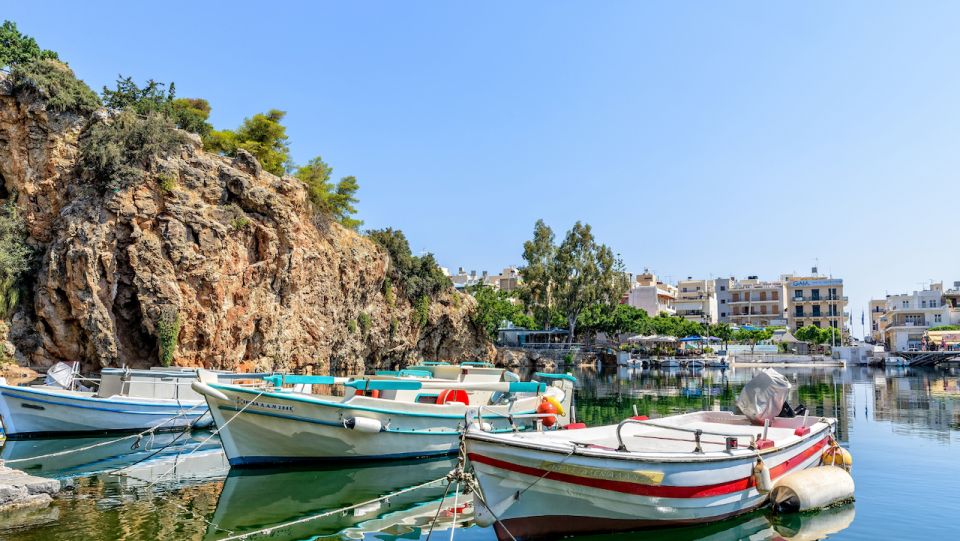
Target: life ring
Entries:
(453, 395)
(372, 394)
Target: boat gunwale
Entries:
(6, 389)
(310, 399)
(506, 440)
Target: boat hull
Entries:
(267, 428)
(562, 495)
(29, 412)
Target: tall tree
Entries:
(261, 135)
(585, 273)
(16, 48)
(326, 198)
(539, 254)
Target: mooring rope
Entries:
(176, 462)
(138, 435)
(276, 527)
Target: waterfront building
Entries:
(877, 308)
(908, 316)
(721, 287)
(816, 300)
(650, 294)
(508, 280)
(696, 300)
(756, 302)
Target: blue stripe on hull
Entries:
(168, 413)
(267, 460)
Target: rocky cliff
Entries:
(223, 255)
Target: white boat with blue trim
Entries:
(124, 401)
(416, 413)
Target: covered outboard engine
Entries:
(62, 375)
(763, 397)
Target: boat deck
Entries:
(672, 435)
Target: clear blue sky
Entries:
(698, 138)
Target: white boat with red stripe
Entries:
(679, 470)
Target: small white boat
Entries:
(381, 417)
(693, 364)
(669, 362)
(124, 401)
(678, 470)
(895, 361)
(716, 362)
(631, 361)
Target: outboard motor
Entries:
(62, 375)
(763, 397)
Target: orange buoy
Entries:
(547, 406)
(453, 395)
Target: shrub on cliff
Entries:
(15, 256)
(56, 84)
(188, 114)
(261, 135)
(119, 151)
(415, 276)
(335, 201)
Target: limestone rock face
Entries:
(228, 252)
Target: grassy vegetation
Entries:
(16, 257)
(168, 333)
(55, 82)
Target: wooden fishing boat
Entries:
(123, 401)
(385, 416)
(684, 469)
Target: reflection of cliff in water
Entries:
(609, 395)
(260, 498)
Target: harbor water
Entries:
(902, 426)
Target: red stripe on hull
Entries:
(662, 491)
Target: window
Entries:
(723, 314)
(799, 312)
(723, 288)
(723, 301)
(763, 309)
(775, 295)
(816, 324)
(833, 324)
(763, 295)
(798, 294)
(937, 318)
(746, 296)
(736, 297)
(923, 304)
(815, 294)
(816, 311)
(906, 304)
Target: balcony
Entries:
(822, 298)
(755, 301)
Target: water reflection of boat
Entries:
(669, 362)
(63, 457)
(256, 499)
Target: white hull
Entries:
(28, 411)
(606, 490)
(293, 427)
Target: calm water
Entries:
(902, 426)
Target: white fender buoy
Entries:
(761, 476)
(813, 488)
(207, 390)
(481, 515)
(363, 424)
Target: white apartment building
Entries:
(696, 300)
(908, 316)
(652, 295)
(721, 287)
(757, 302)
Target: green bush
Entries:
(167, 182)
(168, 332)
(188, 114)
(365, 323)
(388, 294)
(16, 256)
(327, 198)
(416, 276)
(56, 84)
(422, 316)
(394, 324)
(352, 326)
(261, 135)
(118, 152)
